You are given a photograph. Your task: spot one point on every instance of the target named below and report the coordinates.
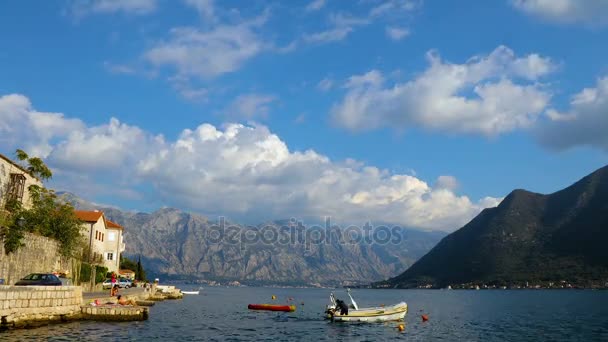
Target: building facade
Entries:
(114, 245)
(104, 239)
(14, 183)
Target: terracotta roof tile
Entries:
(88, 216)
(111, 224)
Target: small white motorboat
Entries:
(338, 311)
(191, 292)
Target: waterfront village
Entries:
(88, 272)
(31, 256)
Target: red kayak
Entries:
(272, 307)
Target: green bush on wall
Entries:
(85, 273)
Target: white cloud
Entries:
(585, 123)
(250, 106)
(397, 33)
(447, 182)
(81, 8)
(394, 7)
(244, 172)
(315, 5)
(341, 25)
(187, 90)
(205, 54)
(105, 147)
(67, 142)
(593, 12)
(505, 96)
(205, 7)
(21, 126)
(118, 68)
(251, 171)
(325, 84)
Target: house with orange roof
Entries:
(104, 239)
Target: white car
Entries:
(121, 282)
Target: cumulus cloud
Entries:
(251, 170)
(22, 126)
(137, 7)
(244, 172)
(593, 12)
(585, 123)
(69, 143)
(504, 95)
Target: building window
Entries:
(110, 256)
(102, 236)
(111, 236)
(15, 189)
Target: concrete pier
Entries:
(29, 306)
(116, 313)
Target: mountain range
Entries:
(179, 245)
(529, 237)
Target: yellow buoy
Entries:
(274, 297)
(401, 327)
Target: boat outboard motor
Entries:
(342, 306)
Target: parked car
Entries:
(39, 279)
(121, 282)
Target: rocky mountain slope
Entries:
(182, 245)
(528, 237)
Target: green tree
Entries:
(47, 216)
(140, 273)
(35, 166)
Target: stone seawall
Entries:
(22, 306)
(39, 254)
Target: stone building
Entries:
(104, 239)
(14, 183)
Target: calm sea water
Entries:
(221, 314)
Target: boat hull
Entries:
(190, 292)
(272, 307)
(378, 314)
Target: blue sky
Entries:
(419, 113)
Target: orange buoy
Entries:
(425, 318)
(401, 327)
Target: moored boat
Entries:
(338, 311)
(191, 292)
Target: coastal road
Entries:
(106, 293)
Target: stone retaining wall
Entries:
(39, 254)
(25, 305)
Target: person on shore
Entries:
(114, 290)
(123, 301)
